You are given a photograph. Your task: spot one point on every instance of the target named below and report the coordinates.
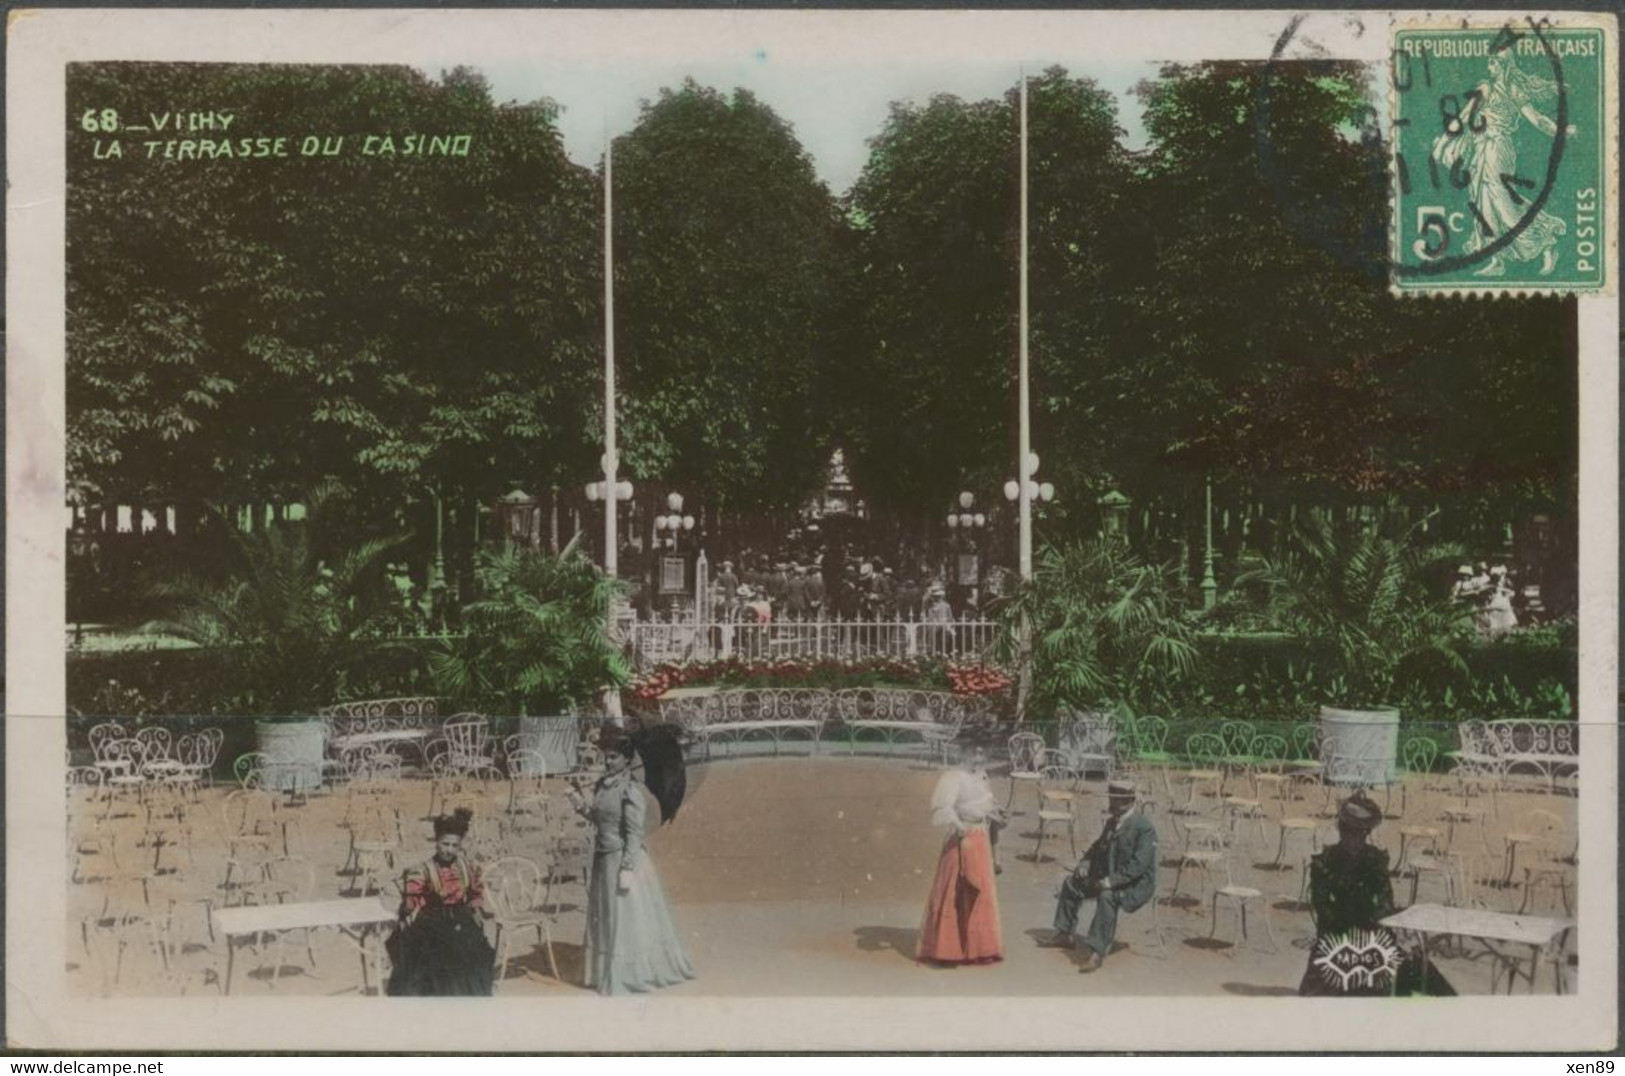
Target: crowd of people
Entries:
(756, 588)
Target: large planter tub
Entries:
(294, 752)
(1358, 747)
(556, 738)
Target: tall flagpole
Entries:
(611, 464)
(1023, 475)
(1025, 446)
(612, 696)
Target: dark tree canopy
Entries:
(1214, 304)
(929, 364)
(238, 329)
(725, 248)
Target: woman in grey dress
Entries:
(631, 945)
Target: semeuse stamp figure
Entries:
(1501, 170)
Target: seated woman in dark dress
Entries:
(1350, 893)
(439, 948)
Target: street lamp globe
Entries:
(953, 521)
(979, 519)
(1012, 491)
(966, 520)
(688, 523)
(966, 499)
(660, 523)
(623, 490)
(1032, 463)
(675, 502)
(1032, 490)
(592, 490)
(1046, 491)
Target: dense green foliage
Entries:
(1105, 627)
(725, 248)
(430, 328)
(1360, 595)
(410, 324)
(238, 330)
(533, 641)
(283, 611)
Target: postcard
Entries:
(812, 530)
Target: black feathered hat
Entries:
(455, 823)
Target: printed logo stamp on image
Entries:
(1502, 171)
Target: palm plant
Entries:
(1105, 626)
(284, 613)
(1359, 594)
(535, 641)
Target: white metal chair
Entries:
(1056, 784)
(1026, 762)
(469, 747)
(1241, 896)
(1546, 861)
(527, 779)
(375, 838)
(515, 890)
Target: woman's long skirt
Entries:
(961, 924)
(442, 953)
(632, 946)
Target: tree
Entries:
(240, 327)
(725, 242)
(929, 364)
(1269, 349)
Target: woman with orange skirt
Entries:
(961, 923)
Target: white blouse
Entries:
(962, 798)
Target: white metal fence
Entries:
(653, 642)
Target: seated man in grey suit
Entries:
(1118, 872)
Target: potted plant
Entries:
(535, 645)
(1359, 596)
(1105, 627)
(284, 612)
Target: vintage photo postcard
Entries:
(812, 530)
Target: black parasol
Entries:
(664, 769)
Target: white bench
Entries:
(1546, 747)
(737, 715)
(934, 716)
(1496, 749)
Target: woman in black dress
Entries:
(1350, 893)
(439, 948)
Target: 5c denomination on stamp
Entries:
(1502, 171)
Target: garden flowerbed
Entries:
(966, 679)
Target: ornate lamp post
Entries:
(967, 572)
(1210, 585)
(1036, 490)
(675, 523)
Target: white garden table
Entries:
(1433, 921)
(357, 918)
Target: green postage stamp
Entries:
(1502, 166)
